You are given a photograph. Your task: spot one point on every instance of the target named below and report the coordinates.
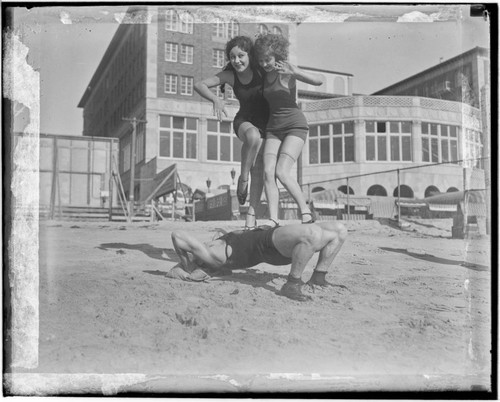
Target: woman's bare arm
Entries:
(203, 88)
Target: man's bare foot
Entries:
(293, 291)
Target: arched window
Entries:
(277, 30)
(171, 20)
(343, 189)
(452, 190)
(405, 192)
(317, 189)
(378, 190)
(186, 23)
(430, 191)
(263, 29)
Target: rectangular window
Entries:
(222, 145)
(382, 148)
(187, 54)
(170, 84)
(325, 150)
(212, 154)
(394, 148)
(218, 58)
(425, 150)
(218, 28)
(333, 145)
(440, 142)
(313, 151)
(225, 148)
(237, 150)
(370, 148)
(434, 150)
(178, 137)
(406, 145)
(444, 151)
(349, 148)
(171, 50)
(186, 85)
(337, 149)
(453, 151)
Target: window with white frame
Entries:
(186, 23)
(171, 50)
(331, 143)
(439, 142)
(187, 54)
(225, 29)
(218, 58)
(222, 145)
(186, 85)
(171, 20)
(178, 137)
(170, 84)
(388, 141)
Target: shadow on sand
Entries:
(152, 252)
(437, 260)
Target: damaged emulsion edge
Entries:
(22, 86)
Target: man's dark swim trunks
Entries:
(252, 247)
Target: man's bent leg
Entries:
(327, 254)
(305, 246)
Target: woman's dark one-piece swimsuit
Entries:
(253, 106)
(252, 247)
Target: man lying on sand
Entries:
(282, 245)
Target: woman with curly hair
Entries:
(287, 128)
(242, 74)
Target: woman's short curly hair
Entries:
(244, 43)
(275, 44)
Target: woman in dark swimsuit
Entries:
(242, 74)
(287, 128)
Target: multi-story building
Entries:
(149, 70)
(458, 79)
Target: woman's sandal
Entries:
(242, 195)
(312, 220)
(274, 224)
(254, 223)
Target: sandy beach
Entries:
(411, 311)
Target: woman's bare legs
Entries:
(256, 187)
(288, 154)
(250, 136)
(271, 149)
